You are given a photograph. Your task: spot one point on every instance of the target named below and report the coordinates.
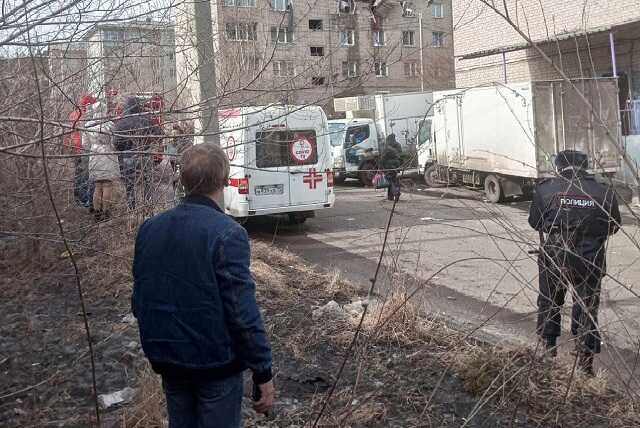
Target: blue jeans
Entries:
(193, 403)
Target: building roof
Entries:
(557, 38)
(130, 25)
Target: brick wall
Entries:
(477, 28)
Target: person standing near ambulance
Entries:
(577, 214)
(73, 140)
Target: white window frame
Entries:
(237, 3)
(408, 9)
(352, 69)
(282, 33)
(347, 38)
(283, 68)
(376, 38)
(411, 69)
(250, 31)
(437, 10)
(279, 5)
(381, 69)
(437, 39)
(411, 36)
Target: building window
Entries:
(317, 50)
(241, 31)
(283, 68)
(346, 6)
(317, 81)
(408, 38)
(240, 3)
(350, 69)
(408, 9)
(378, 38)
(347, 38)
(171, 56)
(437, 40)
(381, 69)
(113, 35)
(315, 24)
(281, 35)
(279, 5)
(437, 10)
(411, 69)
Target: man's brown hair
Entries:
(204, 169)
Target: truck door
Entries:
(452, 123)
(309, 160)
(269, 180)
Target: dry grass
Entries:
(148, 410)
(390, 378)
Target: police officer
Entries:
(577, 214)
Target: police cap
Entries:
(567, 158)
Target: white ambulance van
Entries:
(281, 161)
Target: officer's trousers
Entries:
(562, 272)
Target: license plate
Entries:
(269, 189)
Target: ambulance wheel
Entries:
(296, 218)
(366, 174)
(493, 189)
(241, 220)
(431, 177)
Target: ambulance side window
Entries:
(286, 148)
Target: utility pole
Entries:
(196, 68)
(421, 53)
(206, 72)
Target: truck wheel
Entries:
(366, 173)
(297, 218)
(493, 189)
(431, 177)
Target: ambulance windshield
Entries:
(336, 133)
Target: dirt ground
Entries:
(404, 371)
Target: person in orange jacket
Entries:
(73, 141)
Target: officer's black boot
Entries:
(550, 348)
(585, 363)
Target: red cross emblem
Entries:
(312, 178)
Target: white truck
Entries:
(280, 160)
(504, 137)
(359, 139)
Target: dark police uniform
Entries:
(577, 214)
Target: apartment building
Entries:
(131, 57)
(285, 51)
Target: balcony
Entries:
(631, 118)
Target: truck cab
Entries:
(355, 148)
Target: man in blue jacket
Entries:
(194, 299)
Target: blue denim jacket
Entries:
(193, 294)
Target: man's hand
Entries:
(267, 396)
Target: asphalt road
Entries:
(469, 258)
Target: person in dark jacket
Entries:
(391, 163)
(577, 214)
(135, 131)
(194, 298)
